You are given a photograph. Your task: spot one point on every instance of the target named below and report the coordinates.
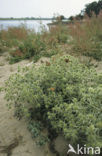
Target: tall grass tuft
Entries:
(87, 36)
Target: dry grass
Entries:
(88, 36)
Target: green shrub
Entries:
(1, 89)
(42, 140)
(64, 95)
(14, 59)
(35, 128)
(32, 46)
(3, 46)
(51, 52)
(1, 50)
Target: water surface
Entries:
(32, 24)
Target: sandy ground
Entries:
(15, 139)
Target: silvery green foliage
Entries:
(64, 94)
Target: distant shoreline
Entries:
(26, 19)
(33, 19)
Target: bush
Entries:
(3, 47)
(64, 94)
(32, 46)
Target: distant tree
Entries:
(71, 18)
(93, 7)
(79, 17)
(60, 18)
(99, 5)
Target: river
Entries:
(32, 24)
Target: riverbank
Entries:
(40, 19)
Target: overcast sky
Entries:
(41, 8)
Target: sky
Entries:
(41, 8)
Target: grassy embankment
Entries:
(87, 40)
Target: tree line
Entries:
(93, 7)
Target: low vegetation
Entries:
(28, 44)
(63, 95)
(85, 37)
